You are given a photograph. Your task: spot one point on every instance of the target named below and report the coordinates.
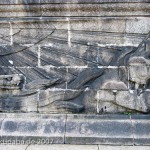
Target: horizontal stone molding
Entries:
(67, 10)
(76, 129)
(69, 1)
(87, 31)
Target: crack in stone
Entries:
(27, 146)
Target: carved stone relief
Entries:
(74, 64)
(122, 87)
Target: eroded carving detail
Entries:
(49, 88)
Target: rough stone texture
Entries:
(117, 9)
(92, 130)
(73, 147)
(141, 131)
(75, 129)
(34, 128)
(75, 56)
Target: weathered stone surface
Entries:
(78, 56)
(64, 147)
(97, 129)
(73, 147)
(112, 78)
(62, 55)
(59, 100)
(106, 9)
(75, 129)
(89, 101)
(82, 57)
(11, 82)
(87, 30)
(139, 71)
(41, 84)
(19, 102)
(141, 130)
(34, 128)
(138, 25)
(10, 147)
(68, 1)
(118, 9)
(18, 56)
(122, 101)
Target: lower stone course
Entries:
(72, 147)
(74, 129)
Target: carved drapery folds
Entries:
(119, 88)
(78, 63)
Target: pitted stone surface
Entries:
(98, 129)
(34, 128)
(75, 129)
(86, 57)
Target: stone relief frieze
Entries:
(76, 78)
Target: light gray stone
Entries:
(81, 129)
(68, 1)
(34, 128)
(139, 72)
(63, 147)
(73, 147)
(138, 25)
(110, 9)
(76, 57)
(14, 147)
(141, 130)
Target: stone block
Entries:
(63, 147)
(31, 31)
(106, 102)
(10, 147)
(18, 56)
(20, 10)
(5, 36)
(114, 78)
(21, 102)
(141, 130)
(132, 100)
(67, 1)
(81, 129)
(89, 101)
(9, 2)
(57, 72)
(59, 101)
(95, 24)
(123, 147)
(34, 129)
(138, 25)
(61, 56)
(58, 37)
(122, 101)
(81, 81)
(139, 71)
(107, 9)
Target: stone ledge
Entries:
(71, 147)
(75, 129)
(70, 1)
(75, 10)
